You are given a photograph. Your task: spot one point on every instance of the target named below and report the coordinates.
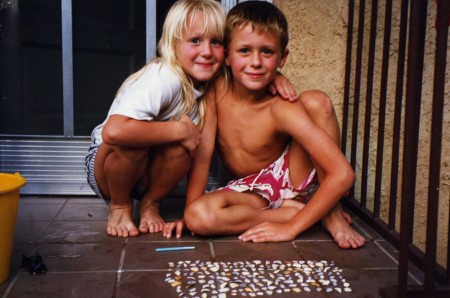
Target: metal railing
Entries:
(392, 131)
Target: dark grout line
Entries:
(396, 262)
(297, 250)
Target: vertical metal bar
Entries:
(369, 97)
(67, 65)
(356, 97)
(348, 65)
(150, 26)
(398, 114)
(411, 137)
(436, 145)
(382, 108)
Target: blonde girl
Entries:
(152, 136)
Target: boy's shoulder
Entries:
(281, 109)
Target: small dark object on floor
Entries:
(34, 264)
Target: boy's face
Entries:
(254, 57)
(201, 55)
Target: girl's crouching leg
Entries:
(167, 166)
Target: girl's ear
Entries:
(283, 58)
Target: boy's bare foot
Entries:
(337, 223)
(120, 222)
(151, 221)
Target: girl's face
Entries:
(200, 55)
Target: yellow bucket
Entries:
(10, 185)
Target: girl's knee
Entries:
(175, 152)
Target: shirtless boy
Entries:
(282, 149)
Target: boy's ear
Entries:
(227, 59)
(283, 58)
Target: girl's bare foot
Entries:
(337, 223)
(120, 222)
(151, 221)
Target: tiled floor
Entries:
(82, 261)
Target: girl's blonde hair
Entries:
(175, 24)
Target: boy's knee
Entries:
(199, 218)
(316, 101)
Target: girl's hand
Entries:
(192, 135)
(284, 87)
(269, 232)
(171, 226)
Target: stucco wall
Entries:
(318, 32)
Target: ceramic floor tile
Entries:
(142, 255)
(38, 211)
(368, 232)
(83, 212)
(83, 261)
(30, 231)
(86, 284)
(369, 256)
(86, 200)
(242, 251)
(366, 282)
(42, 200)
(81, 257)
(78, 232)
(140, 284)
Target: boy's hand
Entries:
(283, 86)
(192, 135)
(171, 226)
(268, 232)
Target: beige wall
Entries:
(318, 32)
(317, 45)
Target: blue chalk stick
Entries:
(160, 249)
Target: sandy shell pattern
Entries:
(254, 278)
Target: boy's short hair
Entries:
(262, 15)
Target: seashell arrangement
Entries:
(254, 278)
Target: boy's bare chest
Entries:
(248, 138)
(245, 126)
